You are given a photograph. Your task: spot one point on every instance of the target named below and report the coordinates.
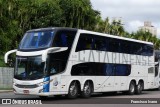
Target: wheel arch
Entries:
(134, 81)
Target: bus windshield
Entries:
(29, 68)
(35, 40)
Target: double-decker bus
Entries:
(65, 61)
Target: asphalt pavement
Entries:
(101, 100)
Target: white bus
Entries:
(65, 61)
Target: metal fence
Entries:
(6, 77)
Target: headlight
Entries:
(42, 83)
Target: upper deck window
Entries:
(36, 40)
(101, 43)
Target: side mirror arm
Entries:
(44, 55)
(7, 54)
(51, 50)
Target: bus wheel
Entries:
(73, 90)
(139, 88)
(131, 90)
(87, 90)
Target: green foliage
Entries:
(146, 36)
(78, 14)
(2, 64)
(18, 16)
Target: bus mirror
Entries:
(44, 55)
(59, 50)
(7, 54)
(52, 50)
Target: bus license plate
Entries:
(26, 91)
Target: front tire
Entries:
(87, 90)
(73, 90)
(132, 88)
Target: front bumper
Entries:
(37, 91)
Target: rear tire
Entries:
(73, 90)
(132, 88)
(139, 88)
(87, 90)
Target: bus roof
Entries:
(52, 28)
(90, 32)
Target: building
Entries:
(149, 28)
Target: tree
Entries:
(18, 16)
(146, 36)
(78, 14)
(116, 28)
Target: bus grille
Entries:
(26, 86)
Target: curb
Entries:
(4, 91)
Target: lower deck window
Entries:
(101, 69)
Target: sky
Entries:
(133, 13)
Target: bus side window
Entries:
(109, 71)
(89, 43)
(125, 47)
(114, 45)
(122, 70)
(85, 42)
(149, 50)
(78, 70)
(107, 44)
(85, 69)
(100, 44)
(137, 49)
(64, 39)
(61, 40)
(80, 44)
(54, 67)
